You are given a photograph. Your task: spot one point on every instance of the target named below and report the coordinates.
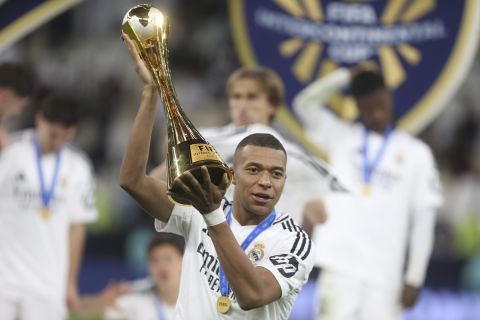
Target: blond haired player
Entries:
(255, 95)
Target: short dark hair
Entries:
(164, 239)
(60, 108)
(261, 140)
(366, 82)
(17, 78)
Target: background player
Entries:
(255, 96)
(395, 196)
(46, 197)
(147, 299)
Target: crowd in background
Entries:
(81, 52)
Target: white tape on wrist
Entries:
(215, 217)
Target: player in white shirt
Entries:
(16, 85)
(46, 197)
(266, 273)
(151, 298)
(395, 195)
(157, 301)
(255, 96)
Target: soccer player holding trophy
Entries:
(242, 260)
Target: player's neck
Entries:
(381, 130)
(168, 295)
(246, 218)
(45, 151)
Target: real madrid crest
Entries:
(257, 253)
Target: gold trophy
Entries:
(187, 149)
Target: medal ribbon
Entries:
(368, 168)
(158, 308)
(46, 194)
(264, 225)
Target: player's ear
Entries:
(233, 176)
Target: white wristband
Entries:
(215, 217)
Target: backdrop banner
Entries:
(423, 48)
(18, 18)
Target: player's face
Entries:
(249, 103)
(165, 265)
(10, 103)
(259, 177)
(53, 136)
(376, 110)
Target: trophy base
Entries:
(190, 156)
(216, 175)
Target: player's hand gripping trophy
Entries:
(188, 151)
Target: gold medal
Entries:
(223, 304)
(45, 213)
(366, 190)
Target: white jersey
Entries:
(308, 178)
(34, 250)
(367, 236)
(285, 250)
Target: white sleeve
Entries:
(290, 261)
(319, 177)
(83, 209)
(320, 123)
(180, 221)
(3, 164)
(426, 200)
(318, 92)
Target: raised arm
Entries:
(320, 123)
(309, 102)
(161, 171)
(150, 193)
